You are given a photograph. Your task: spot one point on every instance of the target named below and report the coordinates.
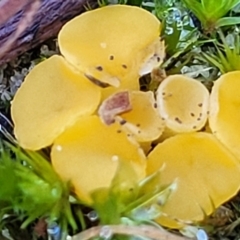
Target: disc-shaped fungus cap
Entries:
(206, 173)
(183, 102)
(136, 113)
(87, 154)
(224, 117)
(51, 98)
(111, 42)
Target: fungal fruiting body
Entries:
(135, 112)
(206, 174)
(51, 98)
(87, 155)
(105, 45)
(183, 102)
(224, 117)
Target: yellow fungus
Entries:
(206, 173)
(143, 122)
(89, 155)
(136, 112)
(183, 102)
(224, 117)
(50, 99)
(105, 44)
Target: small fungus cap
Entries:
(136, 113)
(183, 102)
(206, 173)
(111, 42)
(224, 117)
(52, 97)
(87, 154)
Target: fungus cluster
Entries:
(86, 105)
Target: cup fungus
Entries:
(51, 98)
(207, 175)
(183, 102)
(224, 117)
(136, 113)
(111, 42)
(87, 154)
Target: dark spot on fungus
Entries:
(139, 131)
(192, 114)
(99, 68)
(138, 124)
(200, 104)
(158, 59)
(178, 120)
(130, 189)
(119, 131)
(198, 119)
(124, 66)
(111, 57)
(163, 93)
(155, 105)
(194, 127)
(200, 114)
(129, 135)
(163, 119)
(96, 81)
(208, 112)
(123, 121)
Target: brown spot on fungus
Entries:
(111, 57)
(99, 68)
(192, 114)
(114, 105)
(124, 66)
(178, 120)
(200, 104)
(155, 105)
(122, 122)
(96, 81)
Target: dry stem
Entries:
(144, 231)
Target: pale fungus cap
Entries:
(183, 102)
(87, 154)
(136, 112)
(206, 173)
(52, 97)
(224, 117)
(111, 42)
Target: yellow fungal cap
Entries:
(87, 154)
(136, 113)
(206, 173)
(111, 42)
(52, 97)
(183, 102)
(143, 122)
(224, 117)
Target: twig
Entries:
(23, 24)
(47, 20)
(143, 230)
(10, 7)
